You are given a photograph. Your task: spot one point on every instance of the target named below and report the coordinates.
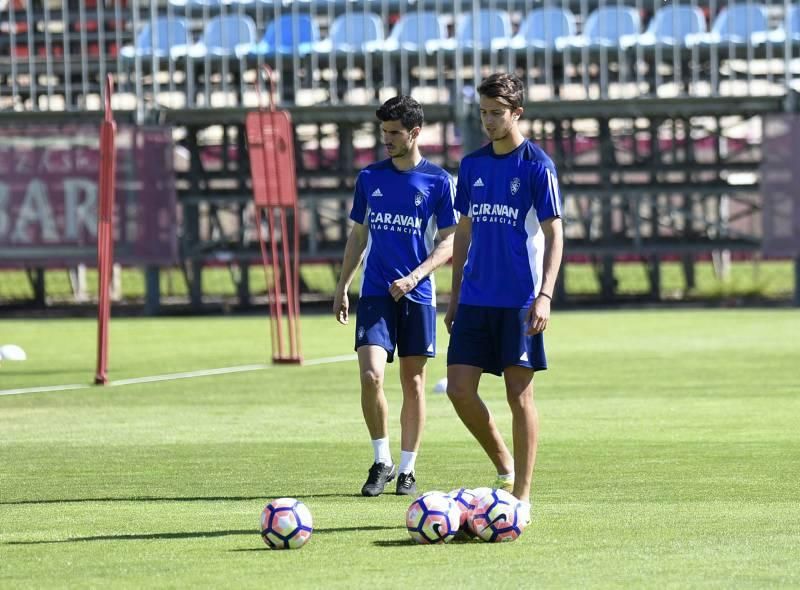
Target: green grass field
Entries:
(668, 459)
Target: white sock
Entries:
(506, 476)
(382, 454)
(407, 460)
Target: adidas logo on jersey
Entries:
(377, 193)
(524, 357)
(430, 347)
(478, 182)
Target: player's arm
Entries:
(353, 253)
(441, 254)
(539, 312)
(461, 242)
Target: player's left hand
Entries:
(538, 315)
(402, 286)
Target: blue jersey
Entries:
(403, 210)
(506, 197)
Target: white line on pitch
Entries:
(175, 376)
(189, 374)
(330, 359)
(43, 389)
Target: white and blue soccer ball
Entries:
(464, 499)
(12, 352)
(286, 524)
(497, 517)
(433, 518)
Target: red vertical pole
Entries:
(105, 233)
(296, 239)
(290, 307)
(264, 261)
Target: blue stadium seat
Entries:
(290, 34)
(412, 31)
(485, 30)
(220, 37)
(790, 27)
(352, 33)
(674, 24)
(544, 27)
(191, 4)
(606, 27)
(158, 38)
(735, 24)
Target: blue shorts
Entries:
(494, 338)
(405, 325)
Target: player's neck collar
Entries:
(506, 153)
(414, 165)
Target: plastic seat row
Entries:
(363, 32)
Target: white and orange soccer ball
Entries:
(286, 524)
(497, 517)
(464, 499)
(477, 494)
(433, 518)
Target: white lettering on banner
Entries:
(35, 209)
(80, 213)
(56, 160)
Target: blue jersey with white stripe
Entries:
(506, 196)
(403, 209)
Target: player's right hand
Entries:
(449, 318)
(341, 306)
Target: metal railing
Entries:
(201, 53)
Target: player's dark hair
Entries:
(404, 109)
(506, 87)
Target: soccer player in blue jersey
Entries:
(506, 255)
(400, 205)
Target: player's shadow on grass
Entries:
(142, 537)
(459, 539)
(345, 529)
(191, 535)
(264, 498)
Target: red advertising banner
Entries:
(49, 195)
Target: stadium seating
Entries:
(290, 34)
(543, 28)
(220, 38)
(352, 32)
(606, 27)
(413, 31)
(735, 25)
(671, 25)
(484, 30)
(157, 40)
(788, 30)
(190, 4)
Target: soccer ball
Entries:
(477, 494)
(433, 518)
(496, 517)
(12, 352)
(286, 524)
(463, 497)
(440, 386)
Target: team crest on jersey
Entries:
(418, 198)
(514, 185)
(361, 332)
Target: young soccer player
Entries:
(399, 206)
(506, 256)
